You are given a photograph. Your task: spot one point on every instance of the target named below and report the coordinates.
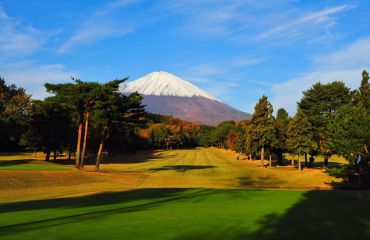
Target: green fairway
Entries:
(192, 214)
(202, 193)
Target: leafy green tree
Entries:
(81, 96)
(221, 132)
(263, 132)
(203, 137)
(50, 127)
(115, 112)
(363, 93)
(349, 136)
(158, 135)
(250, 146)
(281, 125)
(320, 104)
(240, 134)
(15, 110)
(300, 135)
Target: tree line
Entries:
(330, 119)
(86, 119)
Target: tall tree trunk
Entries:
(280, 157)
(326, 161)
(85, 139)
(263, 156)
(47, 157)
(305, 160)
(55, 155)
(270, 158)
(98, 158)
(69, 152)
(78, 148)
(299, 163)
(292, 161)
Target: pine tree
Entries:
(263, 132)
(115, 112)
(281, 125)
(363, 93)
(81, 96)
(320, 104)
(300, 135)
(349, 136)
(249, 146)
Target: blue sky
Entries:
(235, 50)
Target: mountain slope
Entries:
(166, 94)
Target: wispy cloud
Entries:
(17, 38)
(354, 55)
(248, 61)
(304, 24)
(254, 21)
(102, 24)
(343, 65)
(206, 70)
(32, 76)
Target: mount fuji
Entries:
(167, 94)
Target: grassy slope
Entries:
(201, 168)
(210, 167)
(160, 204)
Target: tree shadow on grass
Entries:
(112, 203)
(14, 153)
(14, 162)
(322, 215)
(128, 158)
(319, 215)
(164, 194)
(259, 182)
(181, 168)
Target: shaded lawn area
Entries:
(29, 164)
(32, 167)
(170, 213)
(26, 161)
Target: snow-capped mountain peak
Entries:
(164, 84)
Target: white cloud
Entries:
(356, 54)
(102, 24)
(17, 38)
(206, 70)
(196, 79)
(251, 21)
(242, 62)
(288, 93)
(343, 65)
(113, 6)
(32, 76)
(304, 24)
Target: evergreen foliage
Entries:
(263, 132)
(300, 135)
